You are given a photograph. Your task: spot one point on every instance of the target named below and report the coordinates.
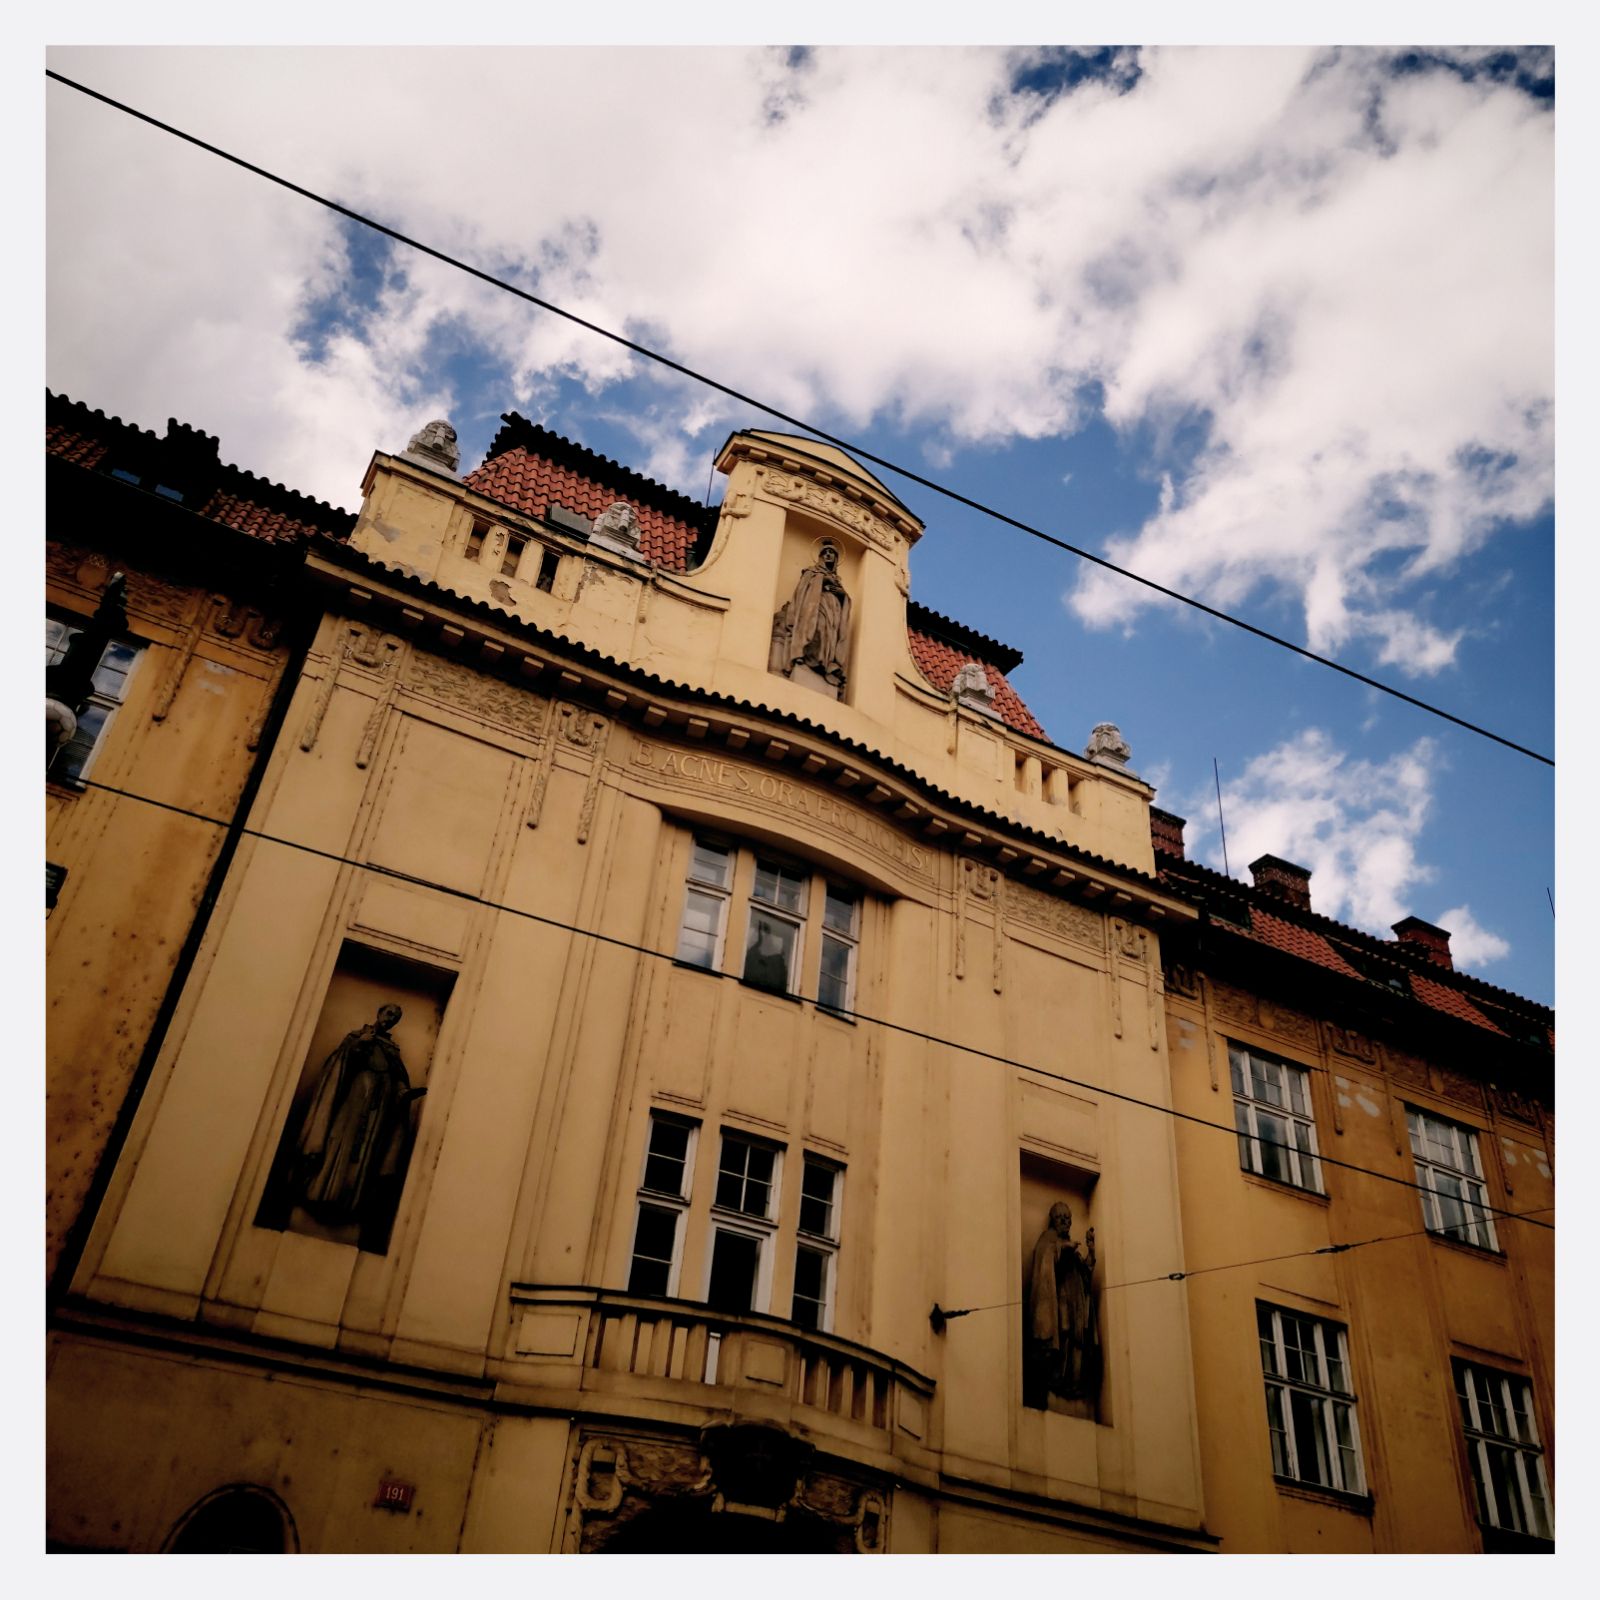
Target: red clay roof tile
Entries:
(1297, 941)
(939, 663)
(1452, 1002)
(527, 483)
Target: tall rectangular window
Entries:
(1311, 1411)
(739, 1270)
(816, 1245)
(1503, 1450)
(705, 906)
(773, 938)
(836, 976)
(1272, 1114)
(1454, 1198)
(71, 760)
(663, 1199)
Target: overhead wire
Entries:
(770, 410)
(858, 1016)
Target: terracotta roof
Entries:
(1452, 1002)
(939, 662)
(187, 460)
(1297, 941)
(531, 483)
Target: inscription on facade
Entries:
(692, 769)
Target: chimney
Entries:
(1284, 879)
(1166, 833)
(1423, 936)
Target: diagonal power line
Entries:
(798, 422)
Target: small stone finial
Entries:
(1107, 746)
(973, 690)
(434, 445)
(617, 529)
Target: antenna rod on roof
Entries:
(1220, 823)
(1551, 898)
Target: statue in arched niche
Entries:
(1060, 1331)
(812, 628)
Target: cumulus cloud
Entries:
(1335, 274)
(1471, 946)
(1355, 823)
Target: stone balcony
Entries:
(607, 1352)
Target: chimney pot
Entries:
(1283, 879)
(1433, 942)
(1166, 833)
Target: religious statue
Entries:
(1061, 1342)
(812, 629)
(349, 1157)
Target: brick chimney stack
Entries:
(1166, 833)
(1433, 942)
(1275, 876)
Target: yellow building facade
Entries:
(677, 1060)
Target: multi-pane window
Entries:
(1503, 1448)
(740, 1268)
(781, 902)
(816, 1245)
(1311, 1411)
(663, 1199)
(841, 921)
(1454, 1200)
(1272, 1114)
(777, 920)
(705, 906)
(71, 759)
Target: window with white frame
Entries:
(1454, 1198)
(841, 931)
(739, 1264)
(816, 1248)
(1272, 1114)
(1311, 1410)
(1503, 1450)
(72, 759)
(789, 912)
(663, 1200)
(705, 906)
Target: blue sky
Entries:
(1275, 326)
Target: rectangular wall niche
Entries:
(1062, 1362)
(341, 1162)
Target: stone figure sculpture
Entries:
(812, 629)
(973, 690)
(354, 1142)
(618, 529)
(434, 445)
(1107, 745)
(1061, 1342)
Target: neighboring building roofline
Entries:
(957, 634)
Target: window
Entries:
(817, 1245)
(777, 921)
(705, 908)
(515, 545)
(73, 759)
(836, 977)
(663, 1199)
(1311, 1412)
(740, 1268)
(1503, 1450)
(1454, 1201)
(480, 532)
(783, 903)
(1272, 1113)
(548, 562)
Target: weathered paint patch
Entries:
(1509, 1151)
(1371, 1107)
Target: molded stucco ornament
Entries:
(1107, 746)
(434, 445)
(618, 530)
(973, 690)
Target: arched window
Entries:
(239, 1519)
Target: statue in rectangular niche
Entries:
(343, 1161)
(811, 632)
(1060, 1327)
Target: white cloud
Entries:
(1355, 824)
(1470, 945)
(1345, 273)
